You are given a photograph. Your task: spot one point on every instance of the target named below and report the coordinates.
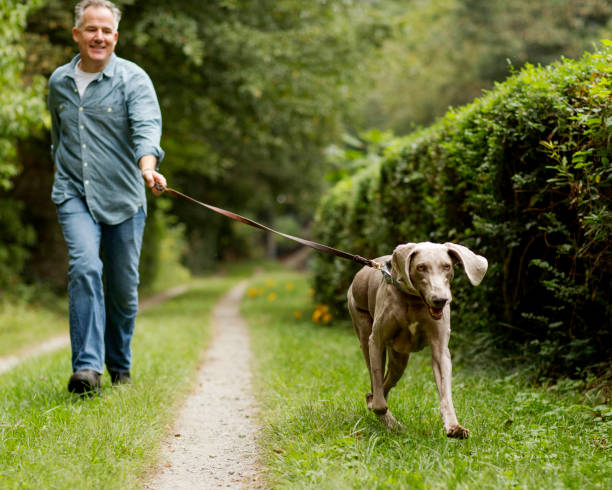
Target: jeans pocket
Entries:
(73, 205)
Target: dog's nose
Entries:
(439, 301)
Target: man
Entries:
(106, 128)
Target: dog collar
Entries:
(387, 270)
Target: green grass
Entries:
(25, 322)
(317, 432)
(52, 439)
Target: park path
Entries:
(212, 443)
(10, 361)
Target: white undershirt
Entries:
(83, 78)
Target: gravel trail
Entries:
(212, 443)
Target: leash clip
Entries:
(386, 272)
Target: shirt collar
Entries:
(109, 69)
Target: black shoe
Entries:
(85, 382)
(120, 377)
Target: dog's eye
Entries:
(446, 267)
(421, 267)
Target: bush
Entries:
(523, 177)
(21, 113)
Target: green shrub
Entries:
(21, 113)
(521, 176)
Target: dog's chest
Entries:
(410, 338)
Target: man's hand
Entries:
(151, 177)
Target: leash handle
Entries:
(317, 246)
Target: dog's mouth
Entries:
(435, 313)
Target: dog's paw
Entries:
(369, 398)
(458, 432)
(389, 420)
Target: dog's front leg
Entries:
(378, 404)
(376, 347)
(442, 369)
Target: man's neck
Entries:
(93, 68)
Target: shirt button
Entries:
(82, 127)
(75, 90)
(85, 164)
(87, 182)
(81, 108)
(84, 145)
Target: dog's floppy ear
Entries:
(400, 260)
(475, 266)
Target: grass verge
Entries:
(29, 318)
(52, 439)
(317, 432)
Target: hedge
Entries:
(521, 176)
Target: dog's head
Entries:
(426, 270)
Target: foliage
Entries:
(21, 112)
(253, 92)
(522, 176)
(163, 249)
(21, 105)
(444, 52)
(256, 91)
(318, 433)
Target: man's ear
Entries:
(475, 266)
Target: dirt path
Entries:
(9, 362)
(212, 443)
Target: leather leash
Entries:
(242, 219)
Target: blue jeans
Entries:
(102, 286)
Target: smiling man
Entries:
(105, 135)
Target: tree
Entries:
(445, 52)
(21, 112)
(255, 92)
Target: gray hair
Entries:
(80, 7)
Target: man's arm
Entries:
(145, 126)
(54, 121)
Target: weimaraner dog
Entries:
(402, 312)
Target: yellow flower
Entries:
(297, 315)
(289, 286)
(327, 317)
(272, 297)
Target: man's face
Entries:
(96, 37)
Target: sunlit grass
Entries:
(26, 322)
(52, 439)
(317, 432)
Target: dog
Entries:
(402, 310)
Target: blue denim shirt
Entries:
(97, 140)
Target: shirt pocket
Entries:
(108, 117)
(109, 111)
